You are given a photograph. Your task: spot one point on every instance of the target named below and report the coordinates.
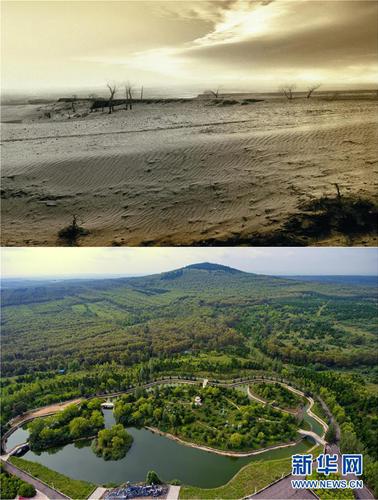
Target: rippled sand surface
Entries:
(183, 173)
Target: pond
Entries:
(149, 451)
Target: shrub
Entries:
(152, 478)
(27, 490)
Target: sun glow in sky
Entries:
(192, 43)
(240, 23)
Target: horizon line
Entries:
(116, 276)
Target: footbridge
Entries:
(313, 435)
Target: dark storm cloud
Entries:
(347, 36)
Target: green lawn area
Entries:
(253, 476)
(70, 487)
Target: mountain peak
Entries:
(209, 266)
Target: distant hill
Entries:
(208, 266)
(201, 307)
(343, 280)
(204, 277)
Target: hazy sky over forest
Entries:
(245, 44)
(28, 262)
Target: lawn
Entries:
(253, 476)
(70, 487)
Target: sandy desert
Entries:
(186, 172)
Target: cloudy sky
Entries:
(236, 44)
(37, 262)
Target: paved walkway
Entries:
(314, 436)
(38, 485)
(361, 494)
(39, 496)
(97, 494)
(283, 490)
(173, 492)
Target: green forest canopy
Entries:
(81, 324)
(79, 338)
(220, 418)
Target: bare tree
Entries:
(71, 233)
(131, 96)
(334, 96)
(214, 93)
(287, 91)
(74, 98)
(112, 90)
(128, 96)
(92, 98)
(338, 191)
(141, 93)
(311, 89)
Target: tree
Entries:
(287, 90)
(113, 443)
(27, 490)
(311, 89)
(79, 427)
(331, 434)
(19, 408)
(152, 478)
(72, 232)
(214, 93)
(261, 438)
(349, 443)
(236, 440)
(128, 96)
(157, 414)
(93, 98)
(112, 91)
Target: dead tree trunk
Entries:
(112, 91)
(311, 89)
(130, 99)
(288, 91)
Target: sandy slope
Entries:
(183, 173)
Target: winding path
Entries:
(51, 493)
(39, 485)
(238, 383)
(319, 439)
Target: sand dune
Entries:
(183, 173)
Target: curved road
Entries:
(238, 383)
(42, 487)
(279, 490)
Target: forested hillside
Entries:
(88, 337)
(201, 307)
